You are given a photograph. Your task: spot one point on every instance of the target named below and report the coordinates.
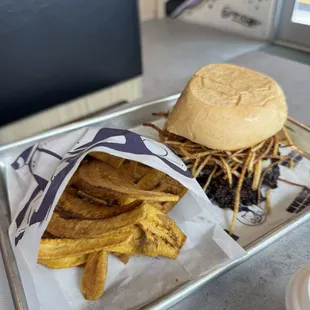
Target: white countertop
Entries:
(173, 50)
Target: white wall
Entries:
(209, 12)
(147, 9)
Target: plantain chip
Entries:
(163, 236)
(136, 241)
(71, 189)
(116, 206)
(150, 180)
(73, 179)
(111, 160)
(110, 242)
(163, 226)
(157, 205)
(129, 169)
(77, 228)
(100, 180)
(141, 171)
(171, 186)
(75, 207)
(168, 206)
(157, 246)
(159, 232)
(124, 258)
(168, 188)
(95, 275)
(92, 199)
(169, 180)
(65, 262)
(47, 235)
(164, 207)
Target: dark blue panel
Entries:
(52, 51)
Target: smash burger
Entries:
(228, 125)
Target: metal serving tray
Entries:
(127, 117)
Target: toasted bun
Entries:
(227, 107)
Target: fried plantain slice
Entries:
(100, 180)
(95, 275)
(141, 171)
(71, 189)
(65, 262)
(164, 207)
(163, 226)
(111, 160)
(47, 235)
(92, 199)
(162, 233)
(110, 242)
(77, 228)
(158, 205)
(169, 180)
(124, 258)
(150, 180)
(73, 179)
(129, 169)
(171, 186)
(137, 239)
(157, 246)
(163, 237)
(75, 207)
(168, 206)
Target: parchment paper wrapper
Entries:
(36, 178)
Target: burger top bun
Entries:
(227, 107)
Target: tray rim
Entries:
(178, 293)
(118, 111)
(112, 112)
